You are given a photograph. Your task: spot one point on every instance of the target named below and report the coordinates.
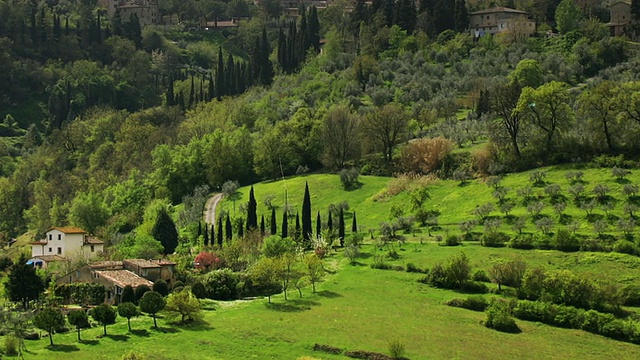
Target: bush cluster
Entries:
(81, 293)
(474, 302)
(499, 317)
(573, 318)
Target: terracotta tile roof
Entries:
(164, 262)
(107, 264)
(142, 263)
(500, 9)
(39, 242)
(123, 278)
(49, 258)
(69, 230)
(93, 240)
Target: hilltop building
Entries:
(620, 17)
(61, 243)
(146, 10)
(499, 20)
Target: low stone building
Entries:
(500, 20)
(620, 17)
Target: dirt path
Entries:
(210, 208)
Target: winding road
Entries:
(210, 208)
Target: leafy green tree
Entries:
(264, 274)
(161, 287)
(275, 246)
(164, 230)
(49, 319)
(79, 319)
(23, 284)
(314, 269)
(88, 212)
(547, 108)
(128, 310)
(184, 304)
(340, 136)
(140, 291)
(105, 314)
(504, 102)
(527, 73)
(152, 303)
(568, 16)
(597, 105)
(306, 215)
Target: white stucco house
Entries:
(62, 243)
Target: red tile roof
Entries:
(49, 258)
(142, 263)
(107, 264)
(500, 9)
(93, 240)
(123, 278)
(39, 242)
(69, 230)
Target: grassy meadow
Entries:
(360, 308)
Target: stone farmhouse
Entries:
(62, 243)
(499, 20)
(620, 17)
(115, 275)
(146, 10)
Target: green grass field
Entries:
(359, 308)
(453, 200)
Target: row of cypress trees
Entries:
(303, 225)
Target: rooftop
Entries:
(500, 9)
(123, 278)
(69, 230)
(48, 258)
(93, 240)
(143, 263)
(106, 264)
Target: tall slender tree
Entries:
(206, 236)
(461, 16)
(285, 225)
(330, 222)
(252, 211)
(220, 85)
(297, 234)
(341, 227)
(213, 235)
(306, 215)
(240, 229)
(354, 224)
(164, 230)
(274, 226)
(318, 225)
(262, 227)
(220, 235)
(314, 29)
(228, 228)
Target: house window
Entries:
(59, 236)
(50, 249)
(59, 251)
(78, 274)
(118, 290)
(50, 237)
(145, 272)
(93, 248)
(108, 294)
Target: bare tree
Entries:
(387, 127)
(340, 134)
(504, 101)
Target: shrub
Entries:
(480, 275)
(565, 241)
(474, 287)
(452, 240)
(437, 277)
(412, 268)
(141, 290)
(199, 290)
(327, 349)
(379, 263)
(161, 287)
(624, 247)
(392, 254)
(10, 346)
(524, 242)
(499, 317)
(349, 178)
(396, 349)
(366, 355)
(630, 295)
(221, 284)
(474, 302)
(425, 155)
(496, 239)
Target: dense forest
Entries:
(106, 122)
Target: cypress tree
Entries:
(306, 214)
(461, 16)
(164, 230)
(354, 224)
(199, 229)
(220, 85)
(285, 225)
(206, 236)
(318, 226)
(297, 234)
(240, 229)
(230, 80)
(635, 10)
(274, 227)
(262, 227)
(252, 215)
(211, 92)
(388, 8)
(66, 26)
(192, 94)
(213, 236)
(23, 283)
(405, 15)
(330, 222)
(228, 228)
(314, 29)
(170, 96)
(266, 68)
(360, 14)
(341, 227)
(220, 236)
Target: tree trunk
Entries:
(155, 325)
(105, 329)
(129, 323)
(313, 287)
(79, 335)
(51, 337)
(300, 291)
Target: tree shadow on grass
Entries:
(90, 342)
(143, 333)
(118, 337)
(63, 348)
(166, 330)
(296, 305)
(328, 294)
(197, 325)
